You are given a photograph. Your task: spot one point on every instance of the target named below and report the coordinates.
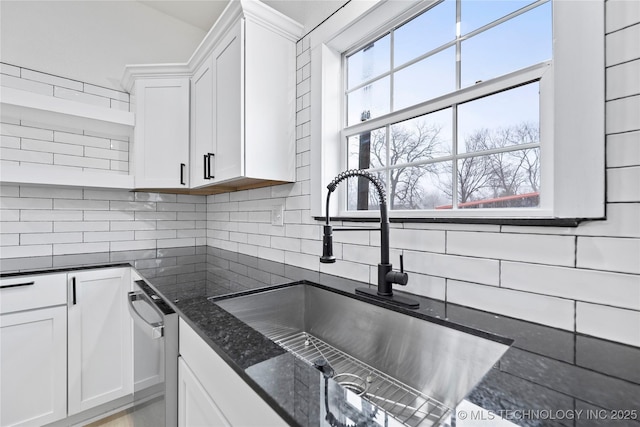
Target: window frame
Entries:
(571, 105)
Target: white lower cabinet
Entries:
(33, 366)
(195, 406)
(100, 327)
(211, 393)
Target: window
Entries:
(463, 108)
(482, 150)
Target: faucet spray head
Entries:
(327, 246)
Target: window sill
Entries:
(544, 222)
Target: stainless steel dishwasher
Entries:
(155, 363)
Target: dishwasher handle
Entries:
(156, 329)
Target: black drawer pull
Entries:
(73, 290)
(15, 285)
(182, 166)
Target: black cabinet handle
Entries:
(73, 290)
(205, 169)
(210, 155)
(182, 166)
(15, 285)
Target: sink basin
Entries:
(414, 367)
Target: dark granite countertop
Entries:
(549, 377)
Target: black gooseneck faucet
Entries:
(386, 275)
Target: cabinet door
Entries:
(195, 406)
(33, 366)
(100, 350)
(161, 136)
(228, 108)
(202, 148)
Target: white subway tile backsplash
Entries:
(623, 115)
(86, 98)
(131, 206)
(88, 141)
(421, 284)
(9, 141)
(48, 238)
(69, 204)
(302, 260)
(51, 79)
(623, 149)
(106, 93)
(622, 184)
(133, 245)
(623, 80)
(155, 234)
(26, 227)
(51, 192)
(116, 165)
(9, 215)
(26, 132)
(546, 249)
(50, 215)
(25, 156)
(102, 194)
(83, 162)
(108, 215)
(119, 145)
(26, 85)
(174, 243)
(132, 225)
(350, 270)
(622, 221)
(25, 251)
(25, 203)
(478, 270)
(546, 310)
(102, 153)
(622, 46)
(9, 239)
(608, 322)
(51, 147)
(609, 254)
(8, 69)
(64, 226)
(621, 13)
(108, 236)
(76, 248)
(620, 290)
(9, 190)
(259, 240)
(285, 243)
(175, 207)
(119, 105)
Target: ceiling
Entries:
(92, 40)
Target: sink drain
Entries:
(352, 382)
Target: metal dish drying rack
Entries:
(406, 404)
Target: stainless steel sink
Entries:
(415, 369)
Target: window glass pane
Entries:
(361, 193)
(420, 187)
(429, 78)
(422, 138)
(367, 150)
(368, 102)
(369, 62)
(476, 13)
(425, 32)
(520, 42)
(504, 119)
(502, 180)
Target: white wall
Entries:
(585, 279)
(91, 41)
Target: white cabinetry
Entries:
(202, 147)
(160, 150)
(211, 393)
(100, 350)
(33, 350)
(243, 104)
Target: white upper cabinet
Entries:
(242, 109)
(160, 149)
